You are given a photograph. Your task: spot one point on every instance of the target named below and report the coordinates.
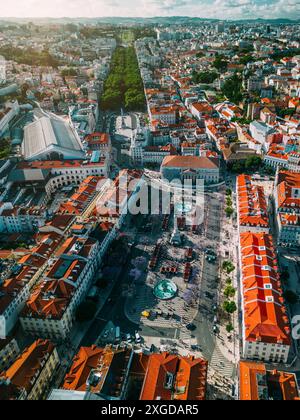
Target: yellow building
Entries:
(33, 370)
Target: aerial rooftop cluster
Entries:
(107, 296)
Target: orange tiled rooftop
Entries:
(265, 314)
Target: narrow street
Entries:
(210, 288)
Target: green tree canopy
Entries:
(29, 56)
(205, 77)
(124, 87)
(228, 266)
(229, 328)
(246, 59)
(232, 89)
(69, 72)
(253, 163)
(220, 63)
(229, 211)
(230, 307)
(229, 292)
(5, 148)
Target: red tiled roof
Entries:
(85, 361)
(190, 162)
(106, 365)
(286, 182)
(256, 383)
(265, 314)
(61, 222)
(277, 152)
(22, 373)
(202, 107)
(249, 372)
(172, 377)
(57, 164)
(252, 204)
(81, 198)
(98, 138)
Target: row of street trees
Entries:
(124, 86)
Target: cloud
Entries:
(229, 9)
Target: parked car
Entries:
(196, 348)
(138, 338)
(191, 327)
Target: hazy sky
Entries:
(229, 9)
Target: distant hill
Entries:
(169, 20)
(279, 21)
(159, 20)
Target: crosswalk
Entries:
(186, 336)
(221, 365)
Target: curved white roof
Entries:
(51, 134)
